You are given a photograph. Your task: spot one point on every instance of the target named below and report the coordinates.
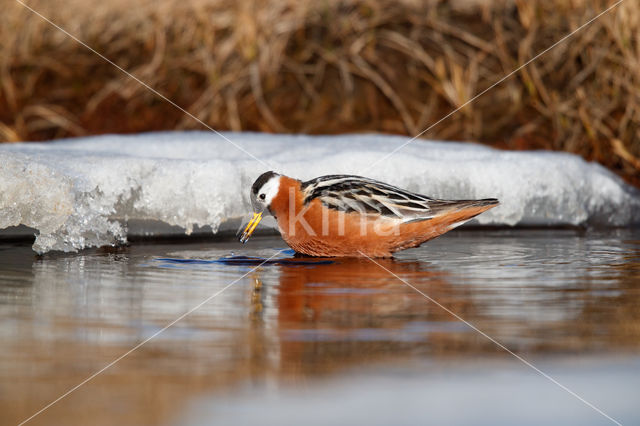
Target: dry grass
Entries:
(331, 67)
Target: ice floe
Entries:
(85, 192)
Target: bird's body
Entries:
(341, 215)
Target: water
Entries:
(337, 342)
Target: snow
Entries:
(84, 192)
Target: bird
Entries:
(353, 216)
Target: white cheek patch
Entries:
(270, 189)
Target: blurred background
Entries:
(325, 67)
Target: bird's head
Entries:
(263, 191)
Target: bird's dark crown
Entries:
(262, 179)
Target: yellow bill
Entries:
(251, 226)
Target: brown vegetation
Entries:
(330, 67)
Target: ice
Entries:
(84, 192)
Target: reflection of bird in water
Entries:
(353, 288)
(342, 215)
(352, 309)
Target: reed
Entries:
(310, 66)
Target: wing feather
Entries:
(368, 196)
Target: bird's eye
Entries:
(262, 196)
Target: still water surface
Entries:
(337, 342)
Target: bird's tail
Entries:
(447, 214)
(460, 211)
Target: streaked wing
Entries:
(367, 196)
